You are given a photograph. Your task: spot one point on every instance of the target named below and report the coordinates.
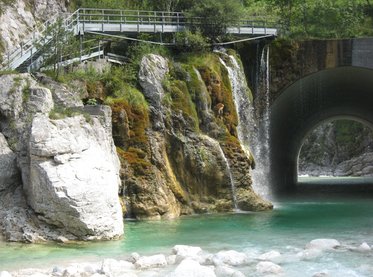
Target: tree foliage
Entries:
(296, 18)
(213, 17)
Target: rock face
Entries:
(69, 167)
(21, 18)
(177, 160)
(9, 173)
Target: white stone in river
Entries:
(186, 250)
(309, 254)
(224, 271)
(230, 257)
(323, 244)
(364, 247)
(171, 260)
(268, 268)
(5, 274)
(151, 261)
(191, 268)
(270, 256)
(114, 267)
(320, 274)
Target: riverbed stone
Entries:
(323, 244)
(116, 268)
(191, 268)
(225, 271)
(145, 262)
(309, 254)
(272, 255)
(230, 257)
(5, 274)
(186, 250)
(269, 268)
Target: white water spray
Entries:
(233, 187)
(254, 137)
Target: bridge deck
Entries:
(109, 21)
(162, 28)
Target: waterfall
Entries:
(234, 195)
(253, 135)
(260, 138)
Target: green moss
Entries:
(138, 120)
(26, 91)
(134, 157)
(7, 72)
(181, 100)
(62, 112)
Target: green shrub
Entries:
(191, 42)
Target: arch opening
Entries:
(343, 92)
(336, 151)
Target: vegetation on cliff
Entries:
(297, 19)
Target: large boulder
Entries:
(74, 177)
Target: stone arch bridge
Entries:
(310, 82)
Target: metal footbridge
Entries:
(112, 22)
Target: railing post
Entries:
(103, 19)
(177, 21)
(121, 20)
(81, 48)
(138, 21)
(99, 49)
(162, 22)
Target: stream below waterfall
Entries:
(287, 229)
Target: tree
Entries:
(213, 17)
(58, 43)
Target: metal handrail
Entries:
(77, 20)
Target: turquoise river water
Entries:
(287, 229)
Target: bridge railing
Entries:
(76, 22)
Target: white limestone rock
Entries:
(116, 268)
(191, 268)
(309, 254)
(186, 250)
(9, 173)
(79, 194)
(153, 69)
(5, 274)
(323, 244)
(225, 271)
(145, 262)
(19, 20)
(270, 256)
(364, 247)
(230, 257)
(269, 268)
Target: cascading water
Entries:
(260, 138)
(234, 196)
(254, 137)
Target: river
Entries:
(287, 229)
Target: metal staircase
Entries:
(114, 22)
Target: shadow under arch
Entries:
(339, 92)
